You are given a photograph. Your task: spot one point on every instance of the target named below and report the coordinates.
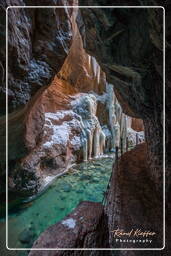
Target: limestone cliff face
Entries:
(80, 69)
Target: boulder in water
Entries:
(26, 236)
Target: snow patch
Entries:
(70, 223)
(58, 115)
(48, 179)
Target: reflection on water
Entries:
(86, 181)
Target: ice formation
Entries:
(134, 137)
(95, 67)
(61, 133)
(92, 136)
(120, 124)
(70, 223)
(81, 129)
(98, 74)
(117, 135)
(89, 61)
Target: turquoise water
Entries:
(86, 181)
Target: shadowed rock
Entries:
(85, 227)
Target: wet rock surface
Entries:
(136, 206)
(83, 228)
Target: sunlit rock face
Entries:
(39, 130)
(137, 124)
(62, 127)
(38, 43)
(80, 69)
(76, 117)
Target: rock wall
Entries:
(83, 228)
(144, 210)
(132, 61)
(80, 69)
(36, 50)
(137, 124)
(62, 122)
(124, 53)
(38, 43)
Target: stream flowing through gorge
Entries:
(85, 181)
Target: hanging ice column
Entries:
(89, 61)
(124, 131)
(93, 138)
(112, 115)
(96, 69)
(117, 120)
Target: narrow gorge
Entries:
(84, 128)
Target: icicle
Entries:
(118, 112)
(117, 134)
(90, 144)
(94, 65)
(85, 150)
(121, 123)
(93, 138)
(96, 142)
(89, 61)
(112, 113)
(129, 122)
(98, 75)
(124, 133)
(102, 142)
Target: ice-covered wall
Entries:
(92, 136)
(122, 135)
(81, 130)
(78, 128)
